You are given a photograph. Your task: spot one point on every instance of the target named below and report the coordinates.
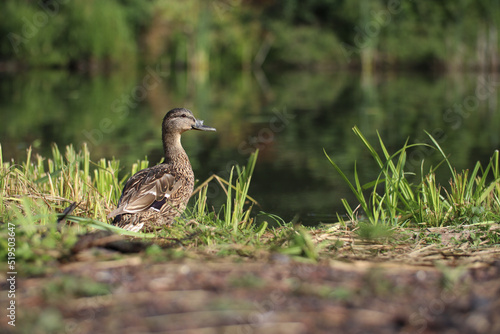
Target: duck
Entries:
(154, 197)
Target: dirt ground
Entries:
(362, 288)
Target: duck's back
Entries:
(154, 196)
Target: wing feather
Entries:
(143, 189)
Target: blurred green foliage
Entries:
(66, 34)
(217, 34)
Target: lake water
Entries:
(290, 116)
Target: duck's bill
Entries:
(199, 126)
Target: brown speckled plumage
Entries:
(155, 196)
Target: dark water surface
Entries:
(289, 116)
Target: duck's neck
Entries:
(172, 148)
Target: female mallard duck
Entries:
(155, 196)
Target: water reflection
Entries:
(290, 116)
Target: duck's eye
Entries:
(184, 115)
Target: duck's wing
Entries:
(147, 189)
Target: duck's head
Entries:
(179, 120)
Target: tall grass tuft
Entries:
(236, 214)
(393, 200)
(63, 178)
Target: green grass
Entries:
(393, 199)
